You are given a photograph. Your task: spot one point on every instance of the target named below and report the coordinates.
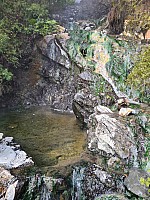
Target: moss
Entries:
(140, 75)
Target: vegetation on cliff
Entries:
(21, 22)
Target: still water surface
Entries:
(50, 138)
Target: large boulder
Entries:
(110, 136)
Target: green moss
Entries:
(140, 75)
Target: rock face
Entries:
(107, 134)
(57, 84)
(133, 183)
(51, 81)
(86, 99)
(97, 181)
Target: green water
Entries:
(51, 139)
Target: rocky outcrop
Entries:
(86, 98)
(110, 136)
(51, 80)
(11, 156)
(53, 47)
(57, 84)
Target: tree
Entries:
(20, 23)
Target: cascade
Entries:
(77, 178)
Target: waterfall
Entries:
(77, 179)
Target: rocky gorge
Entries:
(71, 72)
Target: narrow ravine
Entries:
(72, 126)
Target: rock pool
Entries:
(52, 139)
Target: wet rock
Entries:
(53, 49)
(57, 83)
(83, 105)
(109, 135)
(41, 187)
(11, 156)
(133, 183)
(86, 76)
(97, 181)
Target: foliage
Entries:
(5, 74)
(145, 182)
(120, 61)
(21, 22)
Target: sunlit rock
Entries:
(1, 136)
(11, 156)
(102, 109)
(109, 135)
(126, 111)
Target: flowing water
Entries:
(52, 139)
